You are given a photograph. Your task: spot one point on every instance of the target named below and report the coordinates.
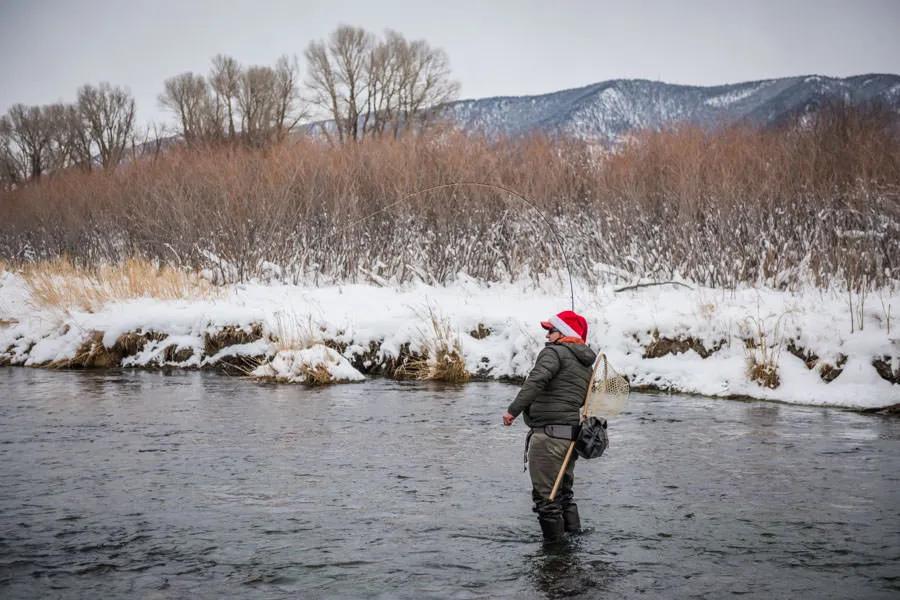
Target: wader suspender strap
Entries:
(527, 441)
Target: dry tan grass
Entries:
(763, 347)
(765, 374)
(290, 331)
(132, 342)
(316, 375)
(442, 359)
(60, 283)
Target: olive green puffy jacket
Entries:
(555, 389)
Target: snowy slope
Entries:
(608, 110)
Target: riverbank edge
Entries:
(892, 410)
(235, 351)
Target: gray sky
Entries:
(50, 47)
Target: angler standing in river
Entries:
(550, 401)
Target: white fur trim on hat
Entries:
(562, 327)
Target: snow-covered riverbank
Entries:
(670, 337)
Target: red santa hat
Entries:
(568, 323)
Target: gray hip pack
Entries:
(559, 432)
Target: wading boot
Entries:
(552, 527)
(571, 519)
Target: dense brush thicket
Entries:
(816, 202)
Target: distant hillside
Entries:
(606, 111)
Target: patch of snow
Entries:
(59, 344)
(731, 97)
(294, 366)
(154, 352)
(257, 348)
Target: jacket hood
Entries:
(582, 352)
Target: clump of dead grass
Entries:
(763, 345)
(60, 283)
(442, 356)
(291, 331)
(316, 375)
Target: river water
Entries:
(142, 484)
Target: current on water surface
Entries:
(120, 484)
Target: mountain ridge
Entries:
(608, 110)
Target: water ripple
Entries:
(142, 484)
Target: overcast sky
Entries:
(50, 47)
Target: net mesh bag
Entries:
(609, 391)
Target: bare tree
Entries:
(322, 82)
(287, 97)
(108, 114)
(12, 169)
(225, 80)
(256, 102)
(383, 83)
(337, 77)
(70, 142)
(29, 133)
(366, 84)
(36, 140)
(188, 96)
(351, 47)
(425, 82)
(77, 137)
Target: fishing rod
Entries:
(513, 193)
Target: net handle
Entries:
(562, 470)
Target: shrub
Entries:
(816, 201)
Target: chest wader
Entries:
(545, 451)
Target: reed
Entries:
(289, 330)
(61, 283)
(442, 357)
(763, 344)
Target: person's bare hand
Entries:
(508, 419)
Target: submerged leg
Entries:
(571, 519)
(545, 456)
(565, 495)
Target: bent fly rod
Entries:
(495, 187)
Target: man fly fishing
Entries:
(550, 400)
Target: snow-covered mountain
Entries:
(606, 111)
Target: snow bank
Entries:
(654, 335)
(318, 364)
